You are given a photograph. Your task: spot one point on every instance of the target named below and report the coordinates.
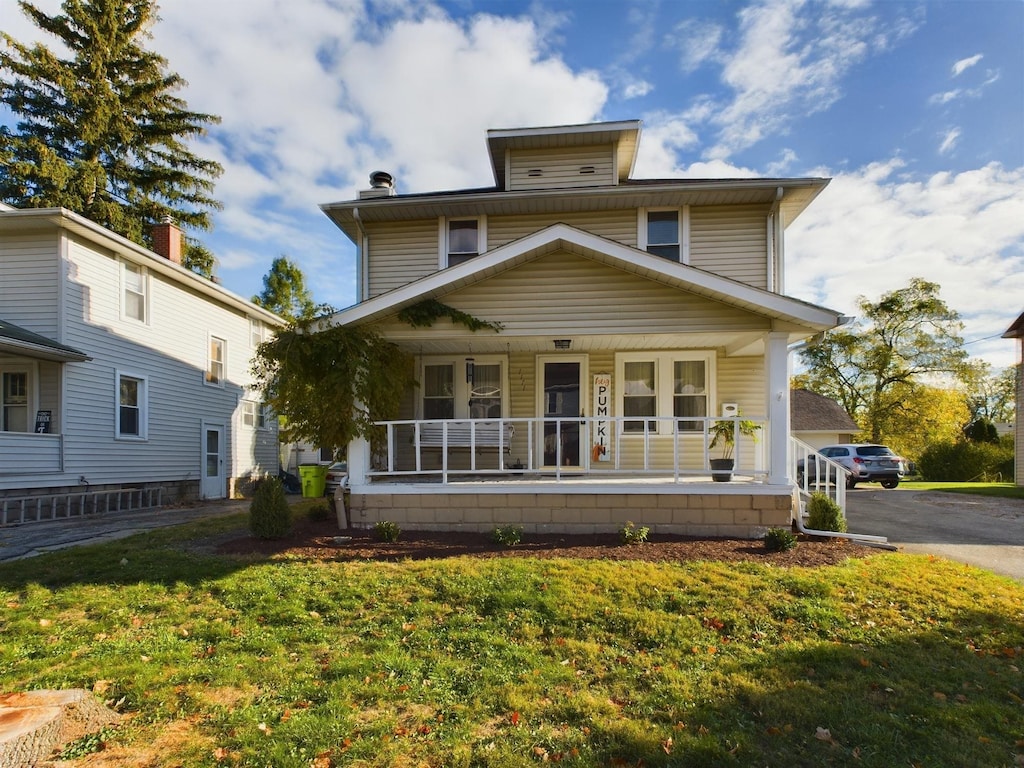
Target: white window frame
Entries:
(663, 385)
(481, 238)
(683, 229)
(259, 332)
(143, 406)
(209, 376)
(31, 371)
(125, 267)
(460, 385)
(254, 414)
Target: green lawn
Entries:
(1002, 490)
(887, 661)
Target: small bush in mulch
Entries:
(270, 516)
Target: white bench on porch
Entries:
(466, 434)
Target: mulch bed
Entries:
(322, 540)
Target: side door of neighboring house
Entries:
(213, 484)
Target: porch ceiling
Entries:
(440, 342)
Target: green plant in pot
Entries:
(723, 434)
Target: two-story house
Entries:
(633, 315)
(124, 377)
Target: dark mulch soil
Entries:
(322, 540)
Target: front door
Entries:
(212, 484)
(562, 395)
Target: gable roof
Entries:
(21, 219)
(16, 340)
(1016, 331)
(562, 237)
(811, 412)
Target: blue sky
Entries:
(914, 109)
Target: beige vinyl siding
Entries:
(401, 253)
(562, 167)
(30, 282)
(576, 295)
(731, 241)
(617, 225)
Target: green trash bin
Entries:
(314, 480)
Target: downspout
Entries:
(774, 244)
(361, 266)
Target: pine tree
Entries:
(100, 132)
(285, 293)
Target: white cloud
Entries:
(636, 89)
(949, 141)
(697, 42)
(967, 63)
(871, 231)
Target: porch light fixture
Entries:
(470, 370)
(563, 343)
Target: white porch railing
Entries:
(30, 453)
(561, 447)
(815, 473)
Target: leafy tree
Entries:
(992, 395)
(927, 414)
(907, 337)
(285, 293)
(333, 384)
(100, 132)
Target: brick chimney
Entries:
(167, 240)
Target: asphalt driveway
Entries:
(978, 530)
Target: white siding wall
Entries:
(170, 352)
(29, 282)
(731, 241)
(562, 167)
(618, 225)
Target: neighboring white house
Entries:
(122, 369)
(1016, 331)
(633, 312)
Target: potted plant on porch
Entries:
(723, 433)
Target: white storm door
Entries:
(213, 485)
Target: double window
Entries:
(254, 414)
(459, 389)
(462, 240)
(258, 332)
(135, 292)
(663, 384)
(132, 406)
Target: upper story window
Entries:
(215, 364)
(463, 239)
(664, 234)
(135, 292)
(132, 406)
(258, 332)
(14, 405)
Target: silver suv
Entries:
(865, 461)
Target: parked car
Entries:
(337, 476)
(865, 462)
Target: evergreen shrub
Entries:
(823, 514)
(270, 516)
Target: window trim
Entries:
(143, 433)
(124, 266)
(683, 229)
(259, 332)
(664, 395)
(31, 370)
(461, 386)
(481, 238)
(260, 414)
(208, 374)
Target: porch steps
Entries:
(18, 510)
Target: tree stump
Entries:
(35, 723)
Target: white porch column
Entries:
(358, 461)
(777, 363)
